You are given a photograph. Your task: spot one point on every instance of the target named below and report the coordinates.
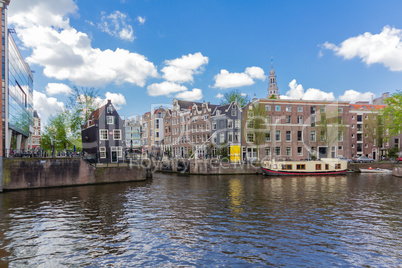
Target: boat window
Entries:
(337, 166)
(301, 167)
(317, 166)
(286, 167)
(326, 166)
(275, 166)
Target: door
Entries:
(114, 157)
(322, 152)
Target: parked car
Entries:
(399, 159)
(363, 159)
(344, 158)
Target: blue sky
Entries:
(144, 52)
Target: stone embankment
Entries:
(28, 173)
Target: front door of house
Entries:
(114, 157)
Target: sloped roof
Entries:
(222, 109)
(96, 114)
(367, 107)
(187, 104)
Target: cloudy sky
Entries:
(142, 53)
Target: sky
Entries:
(143, 53)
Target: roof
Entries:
(366, 107)
(35, 114)
(222, 109)
(95, 114)
(187, 104)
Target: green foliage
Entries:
(222, 150)
(234, 95)
(55, 133)
(81, 103)
(272, 97)
(256, 121)
(393, 152)
(393, 113)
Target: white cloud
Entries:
(353, 96)
(219, 96)
(141, 20)
(116, 24)
(296, 91)
(66, 53)
(46, 106)
(117, 100)
(183, 69)
(384, 48)
(230, 80)
(57, 88)
(164, 88)
(190, 95)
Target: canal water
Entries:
(171, 221)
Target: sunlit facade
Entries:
(17, 93)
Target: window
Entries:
(288, 151)
(104, 135)
(117, 149)
(288, 135)
(109, 120)
(326, 166)
(250, 124)
(299, 135)
(340, 110)
(230, 136)
(337, 166)
(322, 109)
(268, 120)
(286, 167)
(268, 136)
(230, 123)
(109, 109)
(313, 121)
(312, 135)
(102, 152)
(277, 108)
(299, 150)
(288, 108)
(267, 150)
(300, 109)
(237, 137)
(116, 134)
(340, 135)
(214, 125)
(301, 167)
(323, 135)
(312, 110)
(366, 117)
(300, 119)
(234, 112)
(222, 138)
(237, 123)
(317, 166)
(278, 135)
(340, 148)
(288, 119)
(277, 150)
(250, 137)
(267, 107)
(359, 118)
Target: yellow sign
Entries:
(235, 155)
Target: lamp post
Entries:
(54, 141)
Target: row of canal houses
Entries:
(289, 129)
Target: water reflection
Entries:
(206, 221)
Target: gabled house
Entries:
(226, 129)
(103, 135)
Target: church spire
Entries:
(272, 86)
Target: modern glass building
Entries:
(17, 93)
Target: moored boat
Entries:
(376, 170)
(324, 166)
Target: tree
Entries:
(393, 113)
(234, 95)
(81, 103)
(55, 133)
(331, 127)
(256, 124)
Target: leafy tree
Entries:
(234, 95)
(272, 97)
(256, 124)
(393, 113)
(81, 103)
(55, 133)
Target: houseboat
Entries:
(324, 166)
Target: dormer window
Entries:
(109, 109)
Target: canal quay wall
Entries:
(26, 173)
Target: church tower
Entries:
(272, 86)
